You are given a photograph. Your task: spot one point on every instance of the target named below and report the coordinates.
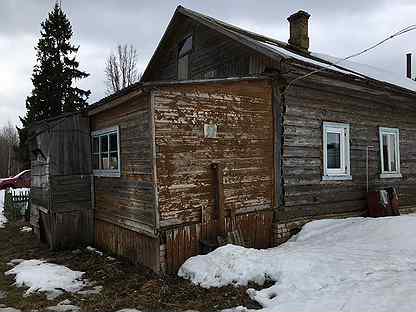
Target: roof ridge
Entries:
(279, 50)
(234, 28)
(325, 63)
(262, 38)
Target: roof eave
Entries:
(353, 77)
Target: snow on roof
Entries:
(291, 55)
(345, 66)
(370, 71)
(282, 49)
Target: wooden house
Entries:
(233, 134)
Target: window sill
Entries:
(107, 173)
(337, 178)
(390, 175)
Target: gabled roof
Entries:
(279, 50)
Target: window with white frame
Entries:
(336, 151)
(389, 152)
(106, 152)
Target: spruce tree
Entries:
(54, 74)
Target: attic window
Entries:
(184, 50)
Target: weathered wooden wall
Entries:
(214, 55)
(61, 181)
(40, 180)
(182, 242)
(135, 247)
(69, 146)
(129, 200)
(242, 112)
(315, 100)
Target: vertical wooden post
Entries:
(219, 194)
(409, 65)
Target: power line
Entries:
(399, 33)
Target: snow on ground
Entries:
(50, 278)
(9, 310)
(94, 250)
(355, 264)
(3, 219)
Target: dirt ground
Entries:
(124, 285)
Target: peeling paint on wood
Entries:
(244, 148)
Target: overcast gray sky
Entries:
(339, 28)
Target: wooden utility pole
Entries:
(219, 187)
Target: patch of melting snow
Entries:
(3, 219)
(41, 276)
(94, 291)
(26, 229)
(94, 250)
(64, 308)
(354, 264)
(9, 309)
(14, 262)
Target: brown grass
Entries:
(125, 285)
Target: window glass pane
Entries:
(392, 152)
(105, 164)
(185, 46)
(95, 161)
(114, 160)
(104, 143)
(385, 144)
(113, 142)
(333, 150)
(95, 145)
(183, 70)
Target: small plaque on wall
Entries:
(210, 131)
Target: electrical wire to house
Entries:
(397, 34)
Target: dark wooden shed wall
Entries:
(314, 101)
(61, 181)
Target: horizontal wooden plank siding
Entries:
(242, 112)
(128, 200)
(71, 192)
(136, 247)
(307, 106)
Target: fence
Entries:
(17, 205)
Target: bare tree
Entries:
(9, 140)
(121, 68)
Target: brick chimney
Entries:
(299, 30)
